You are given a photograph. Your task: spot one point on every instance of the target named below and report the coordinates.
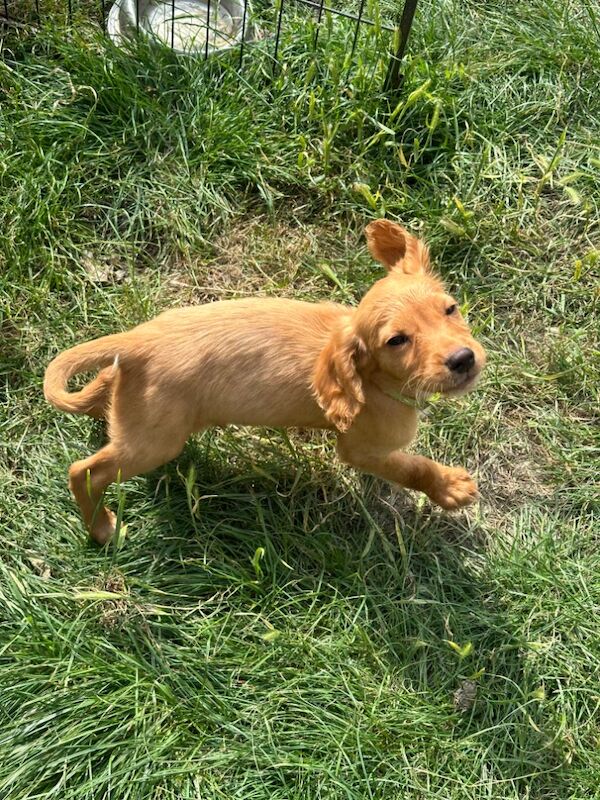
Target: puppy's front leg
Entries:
(448, 487)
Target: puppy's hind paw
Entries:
(455, 489)
(104, 527)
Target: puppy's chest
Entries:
(401, 426)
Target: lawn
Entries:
(271, 625)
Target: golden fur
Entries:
(278, 363)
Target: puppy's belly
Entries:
(277, 413)
(268, 403)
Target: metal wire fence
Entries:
(202, 27)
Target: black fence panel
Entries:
(29, 13)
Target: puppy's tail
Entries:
(93, 355)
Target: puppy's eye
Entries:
(400, 338)
(451, 309)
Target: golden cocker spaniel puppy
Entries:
(280, 363)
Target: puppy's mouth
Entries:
(462, 384)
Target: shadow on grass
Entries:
(406, 594)
(272, 610)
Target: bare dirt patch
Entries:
(262, 255)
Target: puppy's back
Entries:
(247, 362)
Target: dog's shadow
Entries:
(416, 581)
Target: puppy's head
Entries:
(407, 334)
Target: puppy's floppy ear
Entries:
(336, 383)
(391, 245)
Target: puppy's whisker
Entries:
(418, 385)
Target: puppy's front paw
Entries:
(454, 489)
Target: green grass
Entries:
(273, 625)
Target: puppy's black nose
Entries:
(461, 361)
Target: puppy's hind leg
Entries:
(88, 480)
(121, 459)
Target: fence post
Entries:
(393, 79)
